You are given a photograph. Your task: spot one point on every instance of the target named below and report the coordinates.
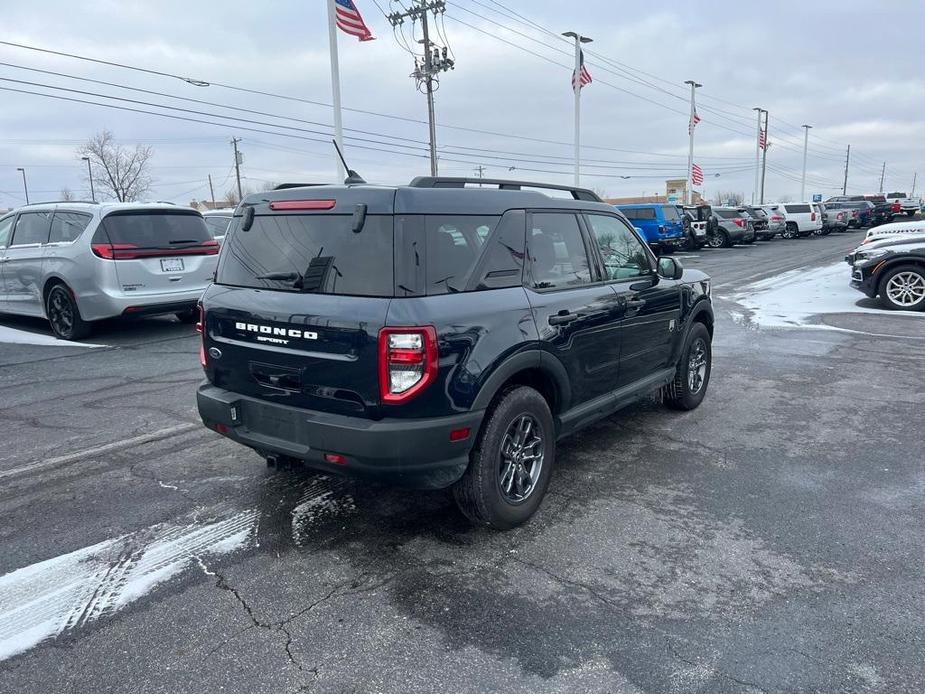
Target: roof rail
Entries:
(56, 202)
(287, 186)
(460, 182)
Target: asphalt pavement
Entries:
(772, 540)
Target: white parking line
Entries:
(99, 450)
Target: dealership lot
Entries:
(770, 540)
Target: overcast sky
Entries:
(853, 70)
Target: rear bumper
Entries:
(408, 452)
(99, 305)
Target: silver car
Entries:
(75, 263)
(217, 221)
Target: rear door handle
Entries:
(562, 318)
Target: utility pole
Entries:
(434, 61)
(690, 152)
(480, 170)
(757, 153)
(238, 158)
(882, 174)
(764, 155)
(844, 187)
(90, 176)
(576, 89)
(24, 186)
(211, 191)
(805, 149)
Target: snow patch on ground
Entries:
(45, 599)
(797, 297)
(24, 337)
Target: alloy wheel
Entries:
(61, 312)
(696, 366)
(906, 288)
(522, 453)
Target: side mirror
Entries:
(670, 268)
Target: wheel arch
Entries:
(915, 261)
(533, 368)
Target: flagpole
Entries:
(335, 88)
(576, 88)
(690, 150)
(757, 153)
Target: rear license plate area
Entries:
(171, 264)
(268, 420)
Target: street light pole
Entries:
(805, 148)
(757, 154)
(576, 88)
(764, 156)
(90, 176)
(24, 186)
(690, 151)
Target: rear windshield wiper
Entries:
(281, 276)
(178, 241)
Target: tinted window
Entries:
(6, 226)
(453, 245)
(155, 228)
(32, 227)
(67, 226)
(727, 214)
(503, 258)
(797, 209)
(624, 255)
(670, 213)
(557, 252)
(639, 212)
(896, 195)
(320, 253)
(217, 226)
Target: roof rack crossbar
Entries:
(502, 184)
(57, 202)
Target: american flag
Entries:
(696, 175)
(762, 139)
(584, 77)
(693, 122)
(350, 22)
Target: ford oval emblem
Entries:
(215, 352)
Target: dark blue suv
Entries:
(661, 224)
(436, 335)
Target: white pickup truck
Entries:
(907, 205)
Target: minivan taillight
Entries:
(407, 362)
(129, 251)
(200, 328)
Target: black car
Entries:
(436, 334)
(894, 273)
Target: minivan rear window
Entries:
(155, 228)
(311, 253)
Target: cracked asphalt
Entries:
(773, 540)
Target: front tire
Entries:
(903, 288)
(689, 387)
(64, 316)
(511, 464)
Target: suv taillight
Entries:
(200, 328)
(407, 362)
(739, 222)
(812, 217)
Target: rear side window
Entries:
(217, 226)
(558, 258)
(453, 244)
(670, 213)
(32, 227)
(68, 226)
(797, 209)
(317, 254)
(155, 229)
(639, 212)
(728, 214)
(6, 226)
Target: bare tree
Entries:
(66, 194)
(118, 172)
(231, 195)
(785, 199)
(727, 198)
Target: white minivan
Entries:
(801, 219)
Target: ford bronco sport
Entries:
(436, 334)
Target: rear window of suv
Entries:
(317, 254)
(797, 209)
(155, 228)
(727, 214)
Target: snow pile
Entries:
(797, 297)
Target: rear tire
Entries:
(791, 231)
(719, 240)
(64, 316)
(511, 464)
(690, 383)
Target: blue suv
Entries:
(432, 335)
(661, 225)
